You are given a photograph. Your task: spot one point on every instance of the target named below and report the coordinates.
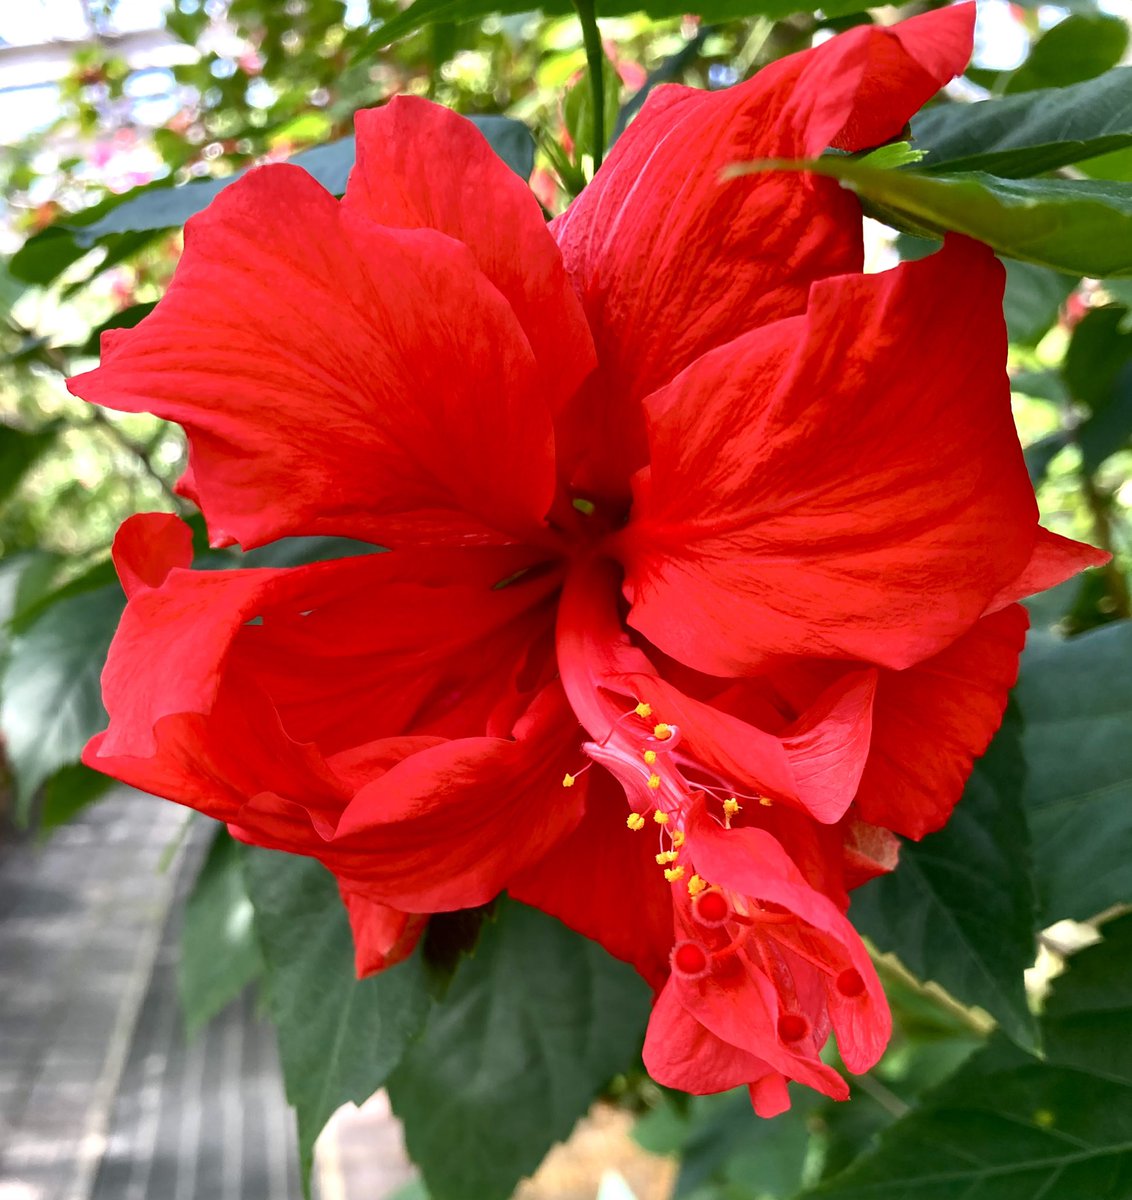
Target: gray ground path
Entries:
(101, 1097)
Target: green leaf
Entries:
(1008, 1126)
(1076, 697)
(430, 12)
(19, 452)
(338, 1037)
(1080, 226)
(154, 208)
(68, 792)
(578, 106)
(1098, 351)
(532, 1027)
(959, 909)
(52, 697)
(1081, 47)
(219, 953)
(1108, 431)
(727, 1144)
(1033, 300)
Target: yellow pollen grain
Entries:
(696, 885)
(731, 806)
(667, 856)
(766, 801)
(662, 730)
(635, 821)
(654, 781)
(568, 779)
(661, 818)
(672, 874)
(643, 709)
(650, 757)
(678, 838)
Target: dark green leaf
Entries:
(1008, 1126)
(127, 318)
(338, 1037)
(1033, 300)
(154, 208)
(727, 1144)
(34, 601)
(68, 792)
(19, 450)
(1081, 47)
(1108, 431)
(1041, 453)
(1079, 226)
(219, 953)
(532, 1027)
(51, 693)
(1076, 697)
(1100, 348)
(959, 909)
(297, 551)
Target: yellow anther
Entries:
(695, 885)
(662, 731)
(678, 838)
(674, 873)
(765, 801)
(635, 821)
(731, 806)
(667, 856)
(661, 818)
(568, 779)
(654, 781)
(650, 757)
(643, 709)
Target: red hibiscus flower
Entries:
(670, 489)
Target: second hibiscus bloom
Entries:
(683, 511)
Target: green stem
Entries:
(595, 62)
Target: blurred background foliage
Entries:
(139, 96)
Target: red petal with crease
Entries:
(933, 720)
(670, 261)
(336, 376)
(196, 717)
(420, 165)
(681, 1053)
(753, 863)
(449, 826)
(813, 488)
(603, 882)
(383, 936)
(1054, 560)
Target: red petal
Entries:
(680, 1053)
(752, 863)
(147, 547)
(1054, 560)
(382, 935)
(815, 763)
(420, 165)
(337, 377)
(843, 485)
(603, 882)
(671, 261)
(449, 827)
(933, 720)
(208, 708)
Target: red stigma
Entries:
(792, 1027)
(689, 960)
(850, 983)
(711, 909)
